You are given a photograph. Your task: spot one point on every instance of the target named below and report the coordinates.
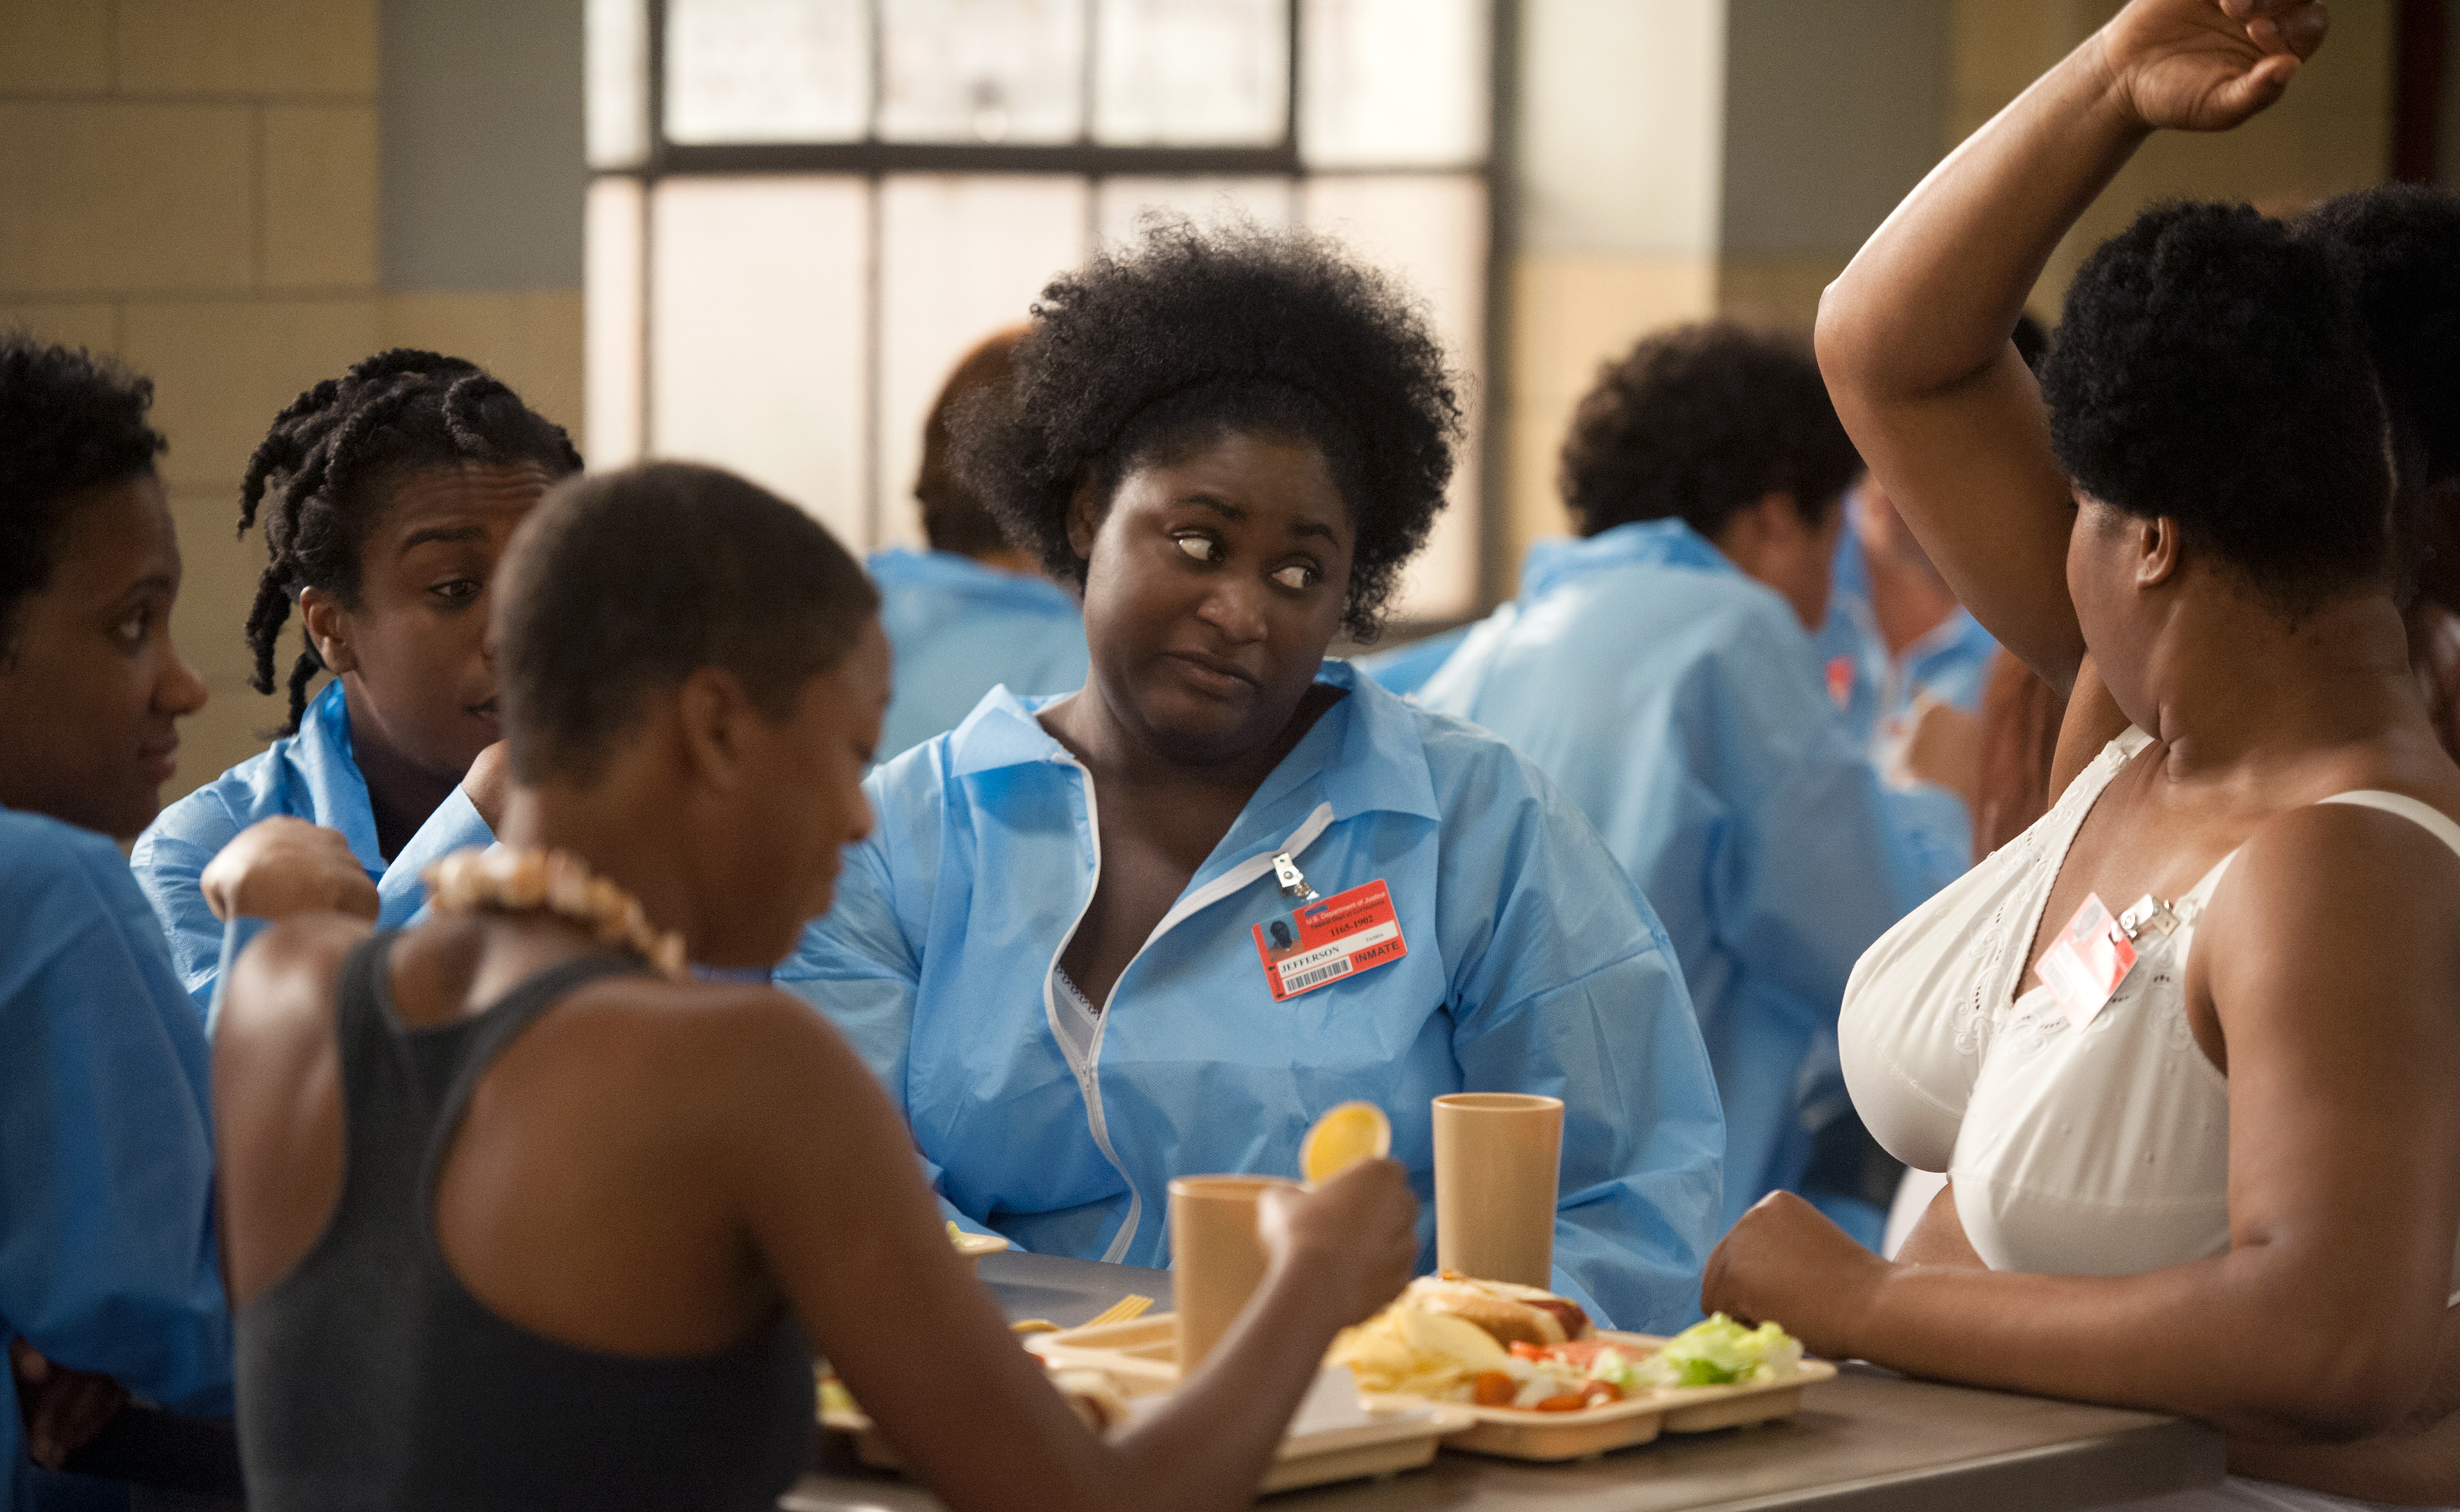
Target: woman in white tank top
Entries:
(2206, 1158)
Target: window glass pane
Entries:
(1394, 83)
(1191, 73)
(611, 321)
(1430, 231)
(961, 257)
(768, 71)
(618, 103)
(982, 70)
(1206, 201)
(758, 334)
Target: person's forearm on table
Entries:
(2223, 1339)
(1220, 1433)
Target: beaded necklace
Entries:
(504, 880)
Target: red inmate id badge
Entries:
(2084, 966)
(1324, 941)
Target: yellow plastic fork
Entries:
(1128, 1307)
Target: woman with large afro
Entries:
(1062, 950)
(2184, 1048)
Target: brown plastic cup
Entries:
(1216, 1260)
(1496, 1156)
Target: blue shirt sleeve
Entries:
(170, 858)
(168, 862)
(857, 966)
(1807, 867)
(1574, 992)
(107, 1248)
(1932, 833)
(401, 897)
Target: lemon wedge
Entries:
(1342, 1138)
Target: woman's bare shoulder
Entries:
(708, 1042)
(290, 968)
(2345, 904)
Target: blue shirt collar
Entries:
(1656, 543)
(319, 754)
(1365, 751)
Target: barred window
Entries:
(802, 212)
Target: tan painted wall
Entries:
(2330, 134)
(1573, 308)
(191, 186)
(1620, 125)
(1570, 313)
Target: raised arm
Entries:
(833, 1204)
(1914, 337)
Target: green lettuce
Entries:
(1721, 1351)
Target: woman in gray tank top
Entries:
(519, 1216)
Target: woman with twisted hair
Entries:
(386, 497)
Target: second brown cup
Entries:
(1496, 1156)
(1216, 1259)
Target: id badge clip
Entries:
(2086, 965)
(1325, 938)
(1293, 881)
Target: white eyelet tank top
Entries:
(2103, 1151)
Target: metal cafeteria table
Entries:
(1867, 1441)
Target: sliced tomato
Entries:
(1578, 1353)
(1493, 1389)
(1573, 1403)
(1583, 1352)
(1599, 1392)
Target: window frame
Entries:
(873, 161)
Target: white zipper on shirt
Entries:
(1088, 1065)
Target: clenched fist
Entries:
(284, 866)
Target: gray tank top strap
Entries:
(404, 1088)
(492, 1030)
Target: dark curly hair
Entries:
(954, 517)
(2401, 244)
(2211, 367)
(68, 422)
(1699, 421)
(1149, 353)
(330, 457)
(627, 582)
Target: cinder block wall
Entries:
(193, 187)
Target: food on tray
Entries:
(1721, 1351)
(1345, 1135)
(1495, 1344)
(1514, 1313)
(1447, 1336)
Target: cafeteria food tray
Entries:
(1146, 1352)
(973, 1245)
(1402, 1434)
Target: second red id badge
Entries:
(2084, 966)
(1325, 940)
